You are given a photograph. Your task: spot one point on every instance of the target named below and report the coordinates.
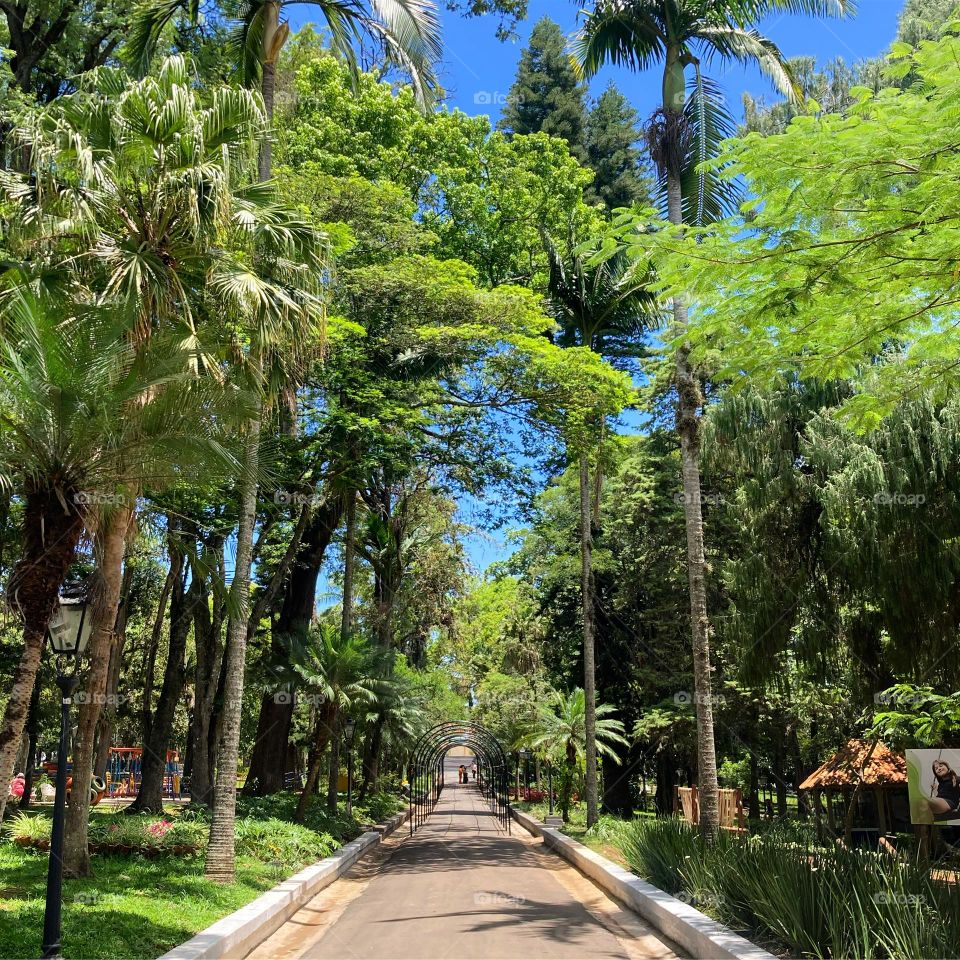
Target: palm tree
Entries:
(342, 672)
(606, 307)
(684, 133)
(69, 445)
(560, 732)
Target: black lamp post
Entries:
(550, 783)
(349, 732)
(69, 631)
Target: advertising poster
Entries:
(934, 786)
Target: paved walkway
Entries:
(462, 888)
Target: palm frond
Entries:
(150, 18)
(618, 33)
(707, 196)
(749, 46)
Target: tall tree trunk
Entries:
(221, 850)
(269, 761)
(589, 653)
(150, 655)
(110, 545)
(182, 607)
(349, 562)
(371, 757)
(274, 36)
(689, 402)
(386, 583)
(207, 633)
(617, 799)
(666, 781)
(51, 531)
(346, 625)
(33, 732)
(333, 778)
(109, 714)
(322, 735)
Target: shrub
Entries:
(815, 901)
(30, 831)
(378, 808)
(281, 841)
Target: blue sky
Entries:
(477, 64)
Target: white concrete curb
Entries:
(238, 933)
(702, 937)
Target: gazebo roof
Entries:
(844, 769)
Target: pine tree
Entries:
(546, 96)
(610, 141)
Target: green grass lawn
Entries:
(137, 907)
(132, 907)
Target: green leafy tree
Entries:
(52, 41)
(343, 674)
(407, 31)
(145, 186)
(71, 444)
(685, 133)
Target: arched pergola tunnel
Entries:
(426, 769)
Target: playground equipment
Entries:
(125, 772)
(98, 789)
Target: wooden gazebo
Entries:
(882, 776)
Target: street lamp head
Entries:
(349, 730)
(70, 626)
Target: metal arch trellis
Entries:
(426, 769)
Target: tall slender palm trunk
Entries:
(323, 735)
(346, 625)
(589, 643)
(110, 545)
(689, 402)
(274, 36)
(221, 853)
(349, 562)
(51, 533)
(221, 850)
